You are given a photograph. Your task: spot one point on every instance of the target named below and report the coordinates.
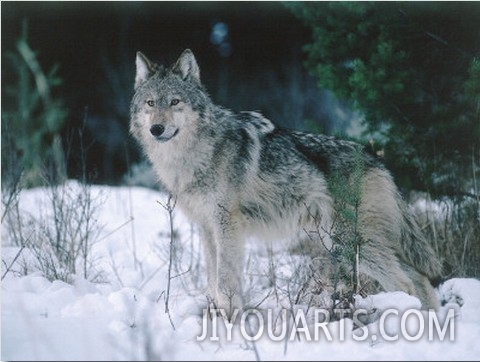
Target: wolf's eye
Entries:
(174, 101)
(150, 103)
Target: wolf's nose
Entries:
(157, 130)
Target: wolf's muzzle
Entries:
(162, 133)
(157, 130)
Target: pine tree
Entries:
(413, 69)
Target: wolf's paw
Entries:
(225, 305)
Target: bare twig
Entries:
(116, 229)
(13, 262)
(169, 207)
(137, 264)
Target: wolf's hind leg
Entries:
(423, 288)
(395, 275)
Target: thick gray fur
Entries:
(237, 175)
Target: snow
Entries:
(118, 311)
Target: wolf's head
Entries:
(167, 101)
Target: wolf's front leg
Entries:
(210, 251)
(230, 260)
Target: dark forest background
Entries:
(250, 55)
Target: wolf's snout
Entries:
(157, 130)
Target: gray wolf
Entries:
(236, 175)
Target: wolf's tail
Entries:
(416, 248)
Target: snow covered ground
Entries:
(118, 311)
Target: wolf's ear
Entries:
(145, 69)
(187, 67)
